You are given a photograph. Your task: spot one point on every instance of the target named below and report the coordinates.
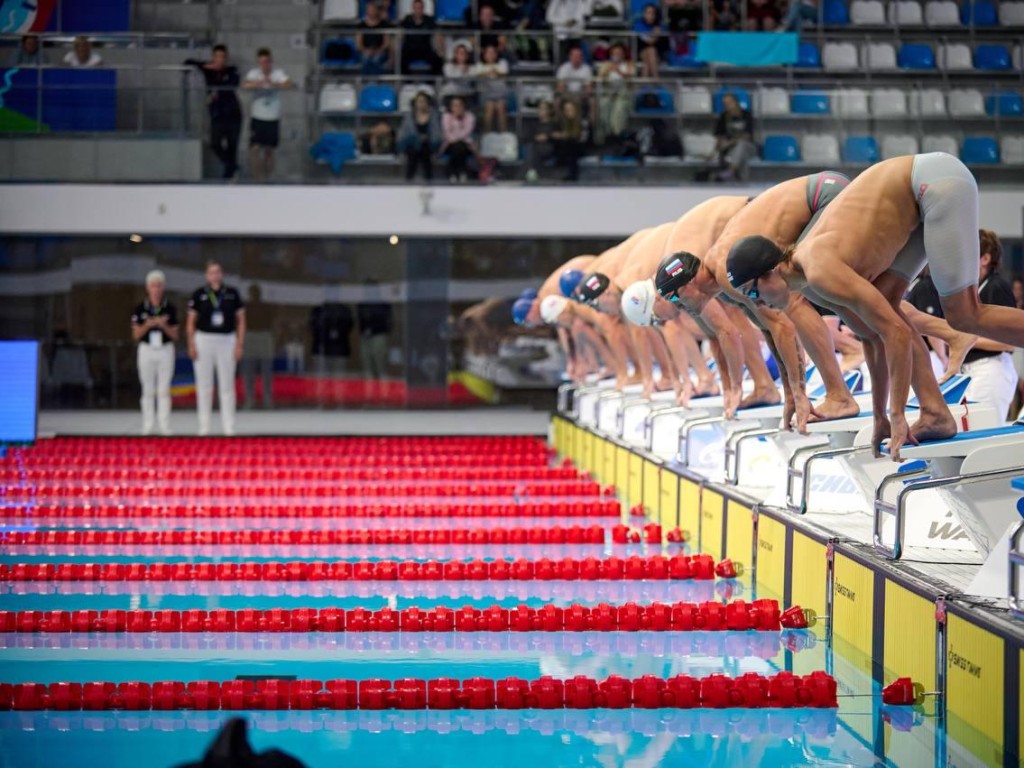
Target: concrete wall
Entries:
(100, 159)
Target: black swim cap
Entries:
(591, 288)
(675, 272)
(751, 257)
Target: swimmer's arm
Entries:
(644, 355)
(783, 340)
(565, 340)
(724, 331)
(987, 345)
(874, 358)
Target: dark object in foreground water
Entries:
(231, 749)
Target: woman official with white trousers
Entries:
(155, 329)
(216, 332)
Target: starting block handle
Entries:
(1016, 573)
(816, 453)
(564, 391)
(732, 449)
(653, 416)
(684, 435)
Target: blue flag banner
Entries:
(748, 49)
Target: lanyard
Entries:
(982, 286)
(155, 311)
(214, 298)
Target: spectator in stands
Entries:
(576, 80)
(419, 42)
(457, 127)
(569, 140)
(613, 77)
(225, 111)
(458, 74)
(374, 331)
(530, 17)
(82, 54)
(541, 146)
(652, 43)
(684, 15)
(734, 136)
(375, 47)
(29, 53)
(1018, 291)
(799, 12)
(490, 75)
(724, 16)
(762, 16)
(265, 115)
(420, 136)
(568, 18)
(378, 140)
(491, 31)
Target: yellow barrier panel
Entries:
(669, 506)
(711, 520)
(771, 556)
(909, 651)
(689, 510)
(739, 538)
(652, 488)
(974, 687)
(809, 573)
(853, 603)
(636, 479)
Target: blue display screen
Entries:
(19, 389)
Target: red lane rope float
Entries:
(655, 568)
(750, 691)
(280, 474)
(608, 508)
(736, 616)
(576, 534)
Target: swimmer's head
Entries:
(529, 293)
(749, 259)
(569, 281)
(552, 307)
(674, 273)
(520, 309)
(638, 302)
(591, 288)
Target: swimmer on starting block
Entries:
(859, 258)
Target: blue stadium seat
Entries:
(339, 52)
(808, 56)
(451, 10)
(1005, 103)
(984, 13)
(979, 150)
(916, 56)
(636, 8)
(654, 100)
(860, 149)
(378, 98)
(781, 149)
(335, 149)
(836, 14)
(742, 96)
(810, 103)
(992, 58)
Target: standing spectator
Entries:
(258, 350)
(541, 146)
(490, 75)
(375, 46)
(375, 332)
(29, 53)
(491, 31)
(799, 12)
(155, 329)
(216, 336)
(458, 74)
(652, 43)
(576, 80)
(331, 326)
(265, 119)
(419, 42)
(420, 136)
(724, 16)
(613, 77)
(568, 18)
(734, 134)
(569, 140)
(225, 111)
(684, 15)
(457, 127)
(762, 16)
(82, 54)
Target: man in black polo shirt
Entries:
(418, 42)
(155, 329)
(225, 111)
(989, 363)
(375, 46)
(216, 333)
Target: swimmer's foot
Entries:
(832, 408)
(761, 397)
(706, 387)
(851, 362)
(939, 426)
(959, 345)
(664, 384)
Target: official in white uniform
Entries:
(155, 329)
(216, 332)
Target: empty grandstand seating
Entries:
(992, 58)
(771, 102)
(898, 145)
(810, 103)
(807, 56)
(698, 146)
(781, 149)
(1011, 150)
(378, 98)
(451, 11)
(654, 100)
(694, 100)
(888, 102)
(928, 102)
(860, 149)
(955, 57)
(338, 97)
(867, 13)
(905, 13)
(879, 57)
(966, 102)
(1005, 103)
(340, 10)
(939, 143)
(840, 57)
(942, 13)
(1011, 14)
(835, 13)
(851, 102)
(503, 147)
(820, 149)
(979, 150)
(979, 12)
(916, 56)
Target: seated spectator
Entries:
(420, 136)
(568, 18)
(613, 97)
(799, 12)
(762, 16)
(29, 53)
(529, 16)
(735, 140)
(569, 140)
(541, 146)
(374, 46)
(684, 15)
(82, 55)
(457, 127)
(491, 31)
(419, 44)
(652, 43)
(576, 80)
(379, 140)
(724, 16)
(458, 74)
(490, 75)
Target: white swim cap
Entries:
(638, 302)
(551, 307)
(156, 276)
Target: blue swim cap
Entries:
(568, 281)
(521, 309)
(529, 293)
